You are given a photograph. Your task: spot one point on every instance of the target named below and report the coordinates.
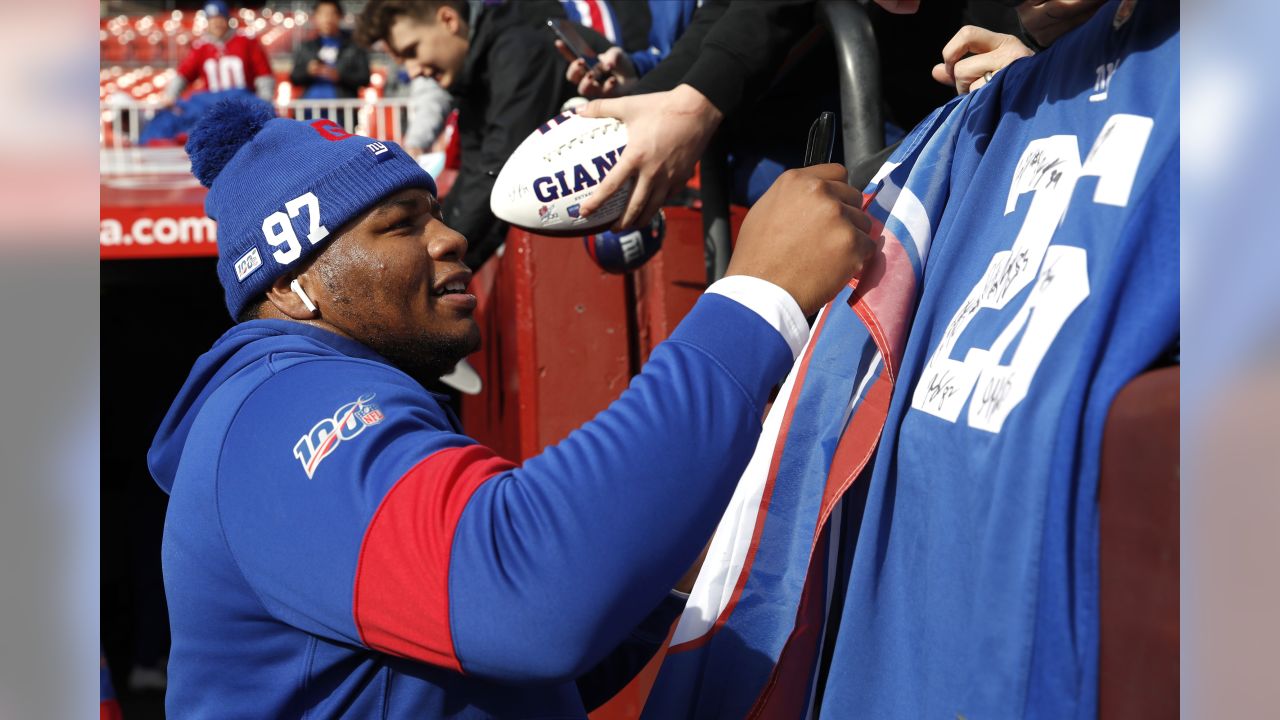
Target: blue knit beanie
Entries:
(216, 8)
(280, 188)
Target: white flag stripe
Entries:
(732, 540)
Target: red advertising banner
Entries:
(160, 231)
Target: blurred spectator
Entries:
(171, 125)
(429, 108)
(224, 58)
(599, 15)
(620, 69)
(668, 20)
(505, 76)
(329, 65)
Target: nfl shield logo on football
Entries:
(573, 210)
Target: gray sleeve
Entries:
(265, 87)
(175, 87)
(429, 105)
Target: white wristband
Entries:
(773, 304)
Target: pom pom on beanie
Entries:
(222, 131)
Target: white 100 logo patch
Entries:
(278, 228)
(1049, 169)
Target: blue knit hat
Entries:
(216, 8)
(280, 188)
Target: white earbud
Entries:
(302, 295)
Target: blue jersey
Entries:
(321, 88)
(1052, 280)
(668, 19)
(336, 546)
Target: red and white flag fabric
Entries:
(750, 637)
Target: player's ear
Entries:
(289, 295)
(450, 18)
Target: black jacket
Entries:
(352, 65)
(731, 51)
(512, 82)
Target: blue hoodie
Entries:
(336, 546)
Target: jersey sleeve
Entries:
(358, 512)
(625, 662)
(308, 461)
(189, 68)
(554, 564)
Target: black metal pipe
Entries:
(858, 72)
(716, 237)
(858, 66)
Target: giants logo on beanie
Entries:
(279, 188)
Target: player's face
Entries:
(395, 281)
(436, 50)
(325, 19)
(1047, 20)
(218, 26)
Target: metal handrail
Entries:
(858, 72)
(385, 119)
(716, 233)
(858, 68)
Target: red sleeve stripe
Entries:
(401, 597)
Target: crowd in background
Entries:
(761, 71)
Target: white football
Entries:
(555, 169)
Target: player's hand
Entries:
(807, 234)
(666, 135)
(988, 52)
(613, 75)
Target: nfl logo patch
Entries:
(371, 416)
